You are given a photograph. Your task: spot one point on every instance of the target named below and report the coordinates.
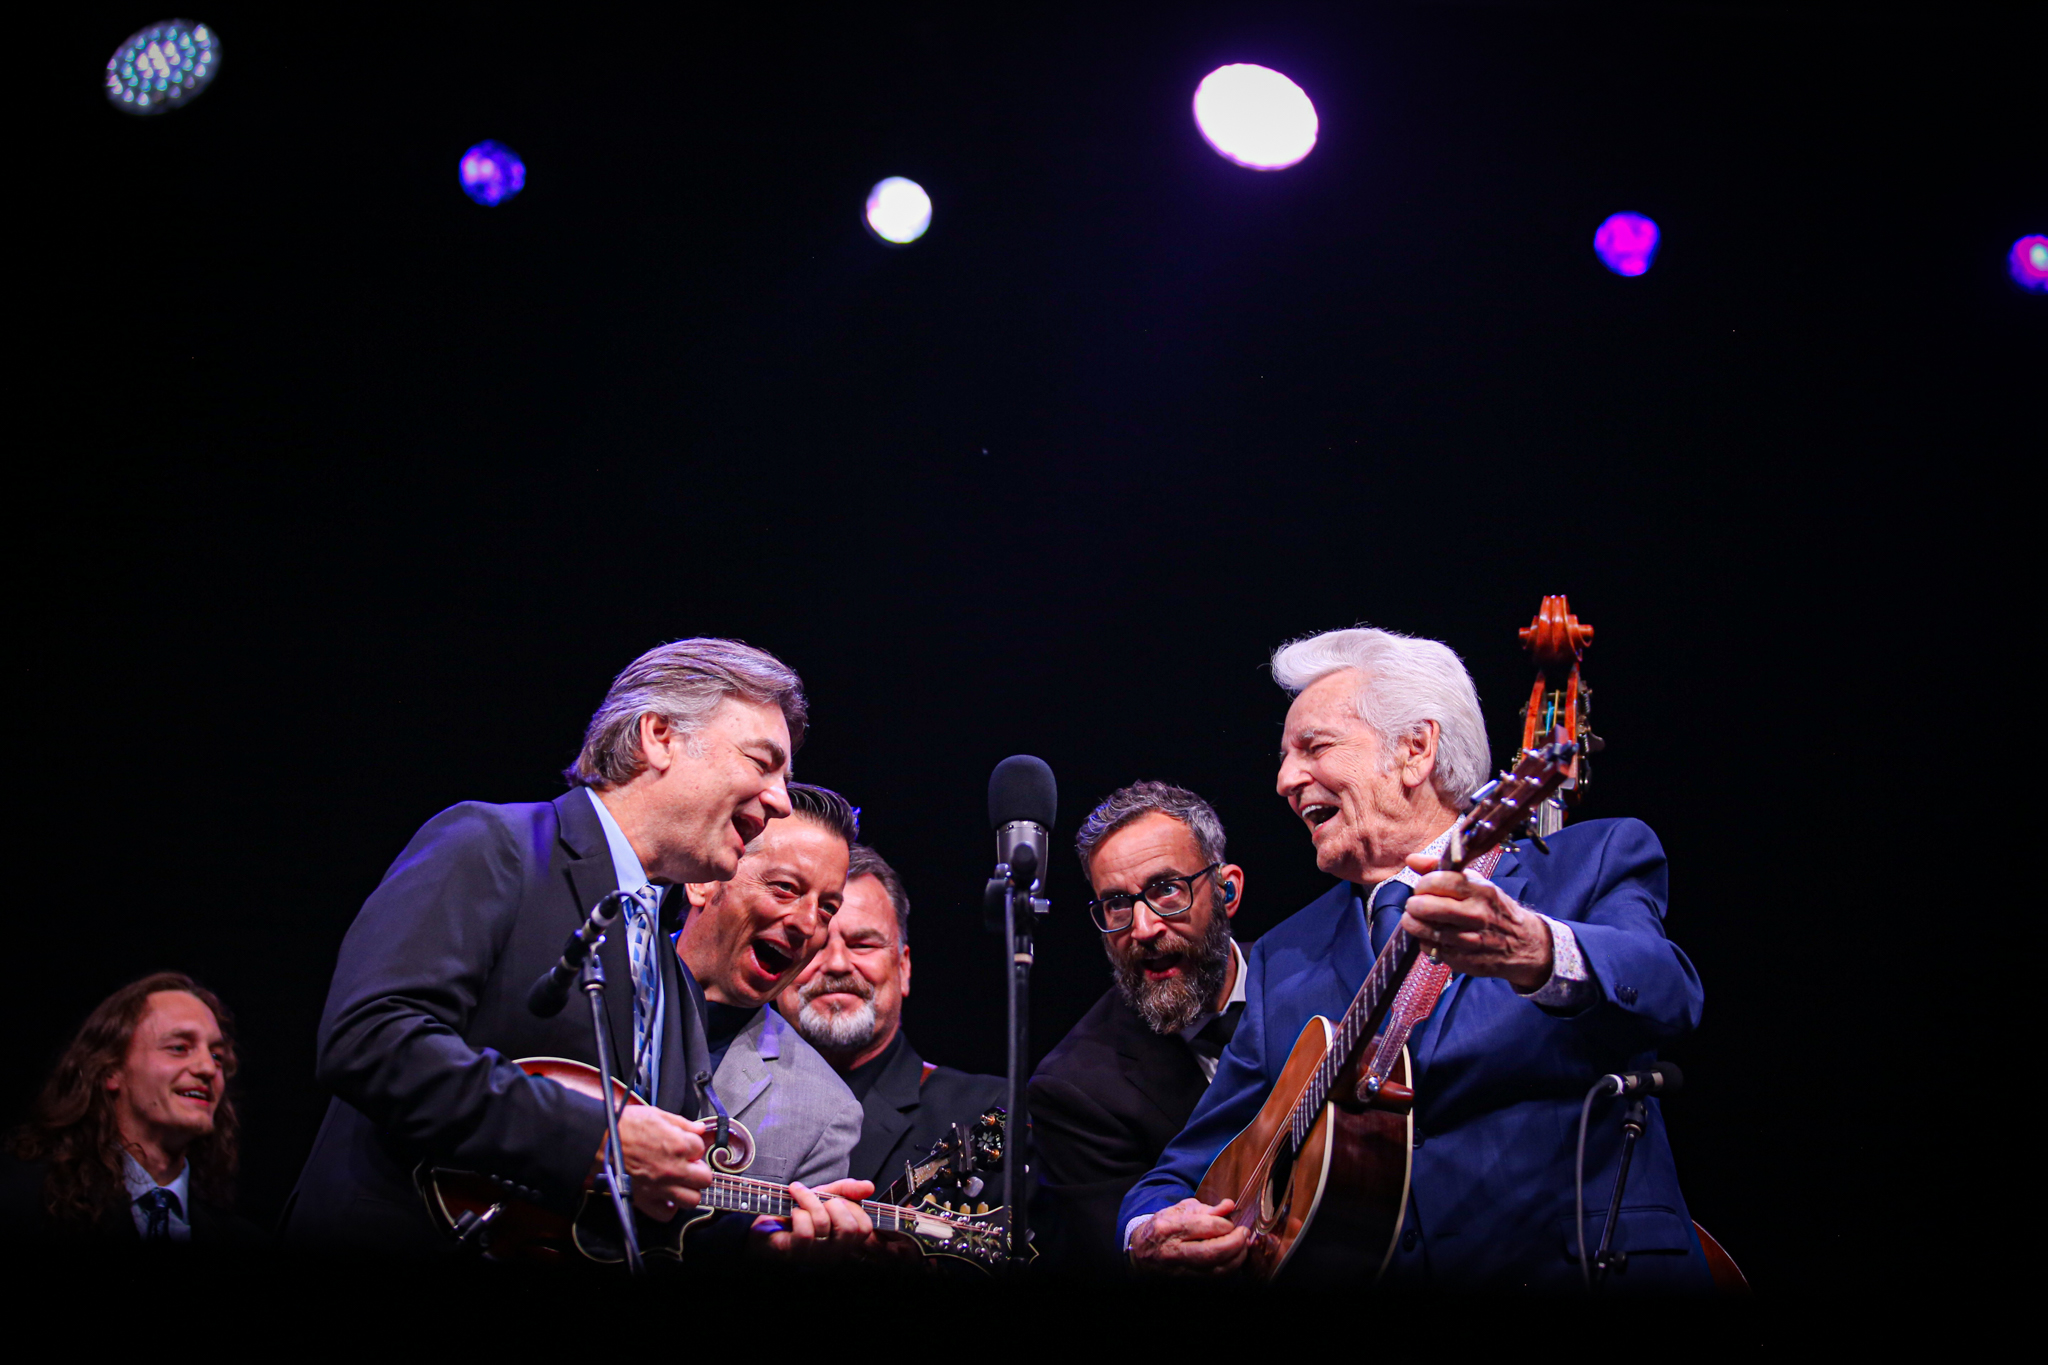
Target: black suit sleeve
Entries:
(1088, 1158)
(410, 975)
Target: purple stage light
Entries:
(1626, 243)
(162, 67)
(491, 174)
(2029, 264)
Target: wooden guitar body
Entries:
(1332, 1209)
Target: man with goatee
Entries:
(848, 1004)
(1108, 1099)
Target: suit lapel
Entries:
(1510, 877)
(591, 878)
(1163, 1070)
(892, 1107)
(743, 1075)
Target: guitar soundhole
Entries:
(1276, 1193)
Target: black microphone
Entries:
(551, 991)
(1662, 1079)
(1022, 801)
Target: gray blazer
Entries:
(803, 1118)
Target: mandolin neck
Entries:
(737, 1194)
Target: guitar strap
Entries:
(1417, 997)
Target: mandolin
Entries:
(1323, 1168)
(478, 1211)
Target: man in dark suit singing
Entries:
(1106, 1101)
(1561, 972)
(848, 1004)
(683, 765)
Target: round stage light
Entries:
(1626, 243)
(491, 173)
(1255, 116)
(2029, 264)
(899, 210)
(162, 67)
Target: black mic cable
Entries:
(1662, 1079)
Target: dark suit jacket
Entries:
(427, 1014)
(1498, 1080)
(906, 1112)
(1104, 1104)
(22, 1210)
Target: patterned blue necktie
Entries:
(157, 1206)
(641, 940)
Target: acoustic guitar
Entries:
(1324, 1166)
(478, 1211)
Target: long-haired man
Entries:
(134, 1138)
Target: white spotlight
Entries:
(1255, 116)
(899, 210)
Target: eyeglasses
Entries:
(1165, 897)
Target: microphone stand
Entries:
(1634, 1120)
(615, 1177)
(1015, 883)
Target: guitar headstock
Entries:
(981, 1238)
(1503, 808)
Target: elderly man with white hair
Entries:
(1561, 972)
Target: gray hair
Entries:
(1404, 683)
(683, 682)
(865, 862)
(1144, 798)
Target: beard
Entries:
(1171, 1005)
(843, 1030)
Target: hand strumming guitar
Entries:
(1472, 926)
(1191, 1238)
(820, 1231)
(664, 1156)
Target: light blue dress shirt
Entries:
(141, 1182)
(633, 878)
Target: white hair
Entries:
(1403, 683)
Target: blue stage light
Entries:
(1626, 243)
(162, 67)
(491, 173)
(2029, 264)
(898, 210)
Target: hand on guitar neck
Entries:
(664, 1155)
(1472, 926)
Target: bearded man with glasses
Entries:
(1108, 1099)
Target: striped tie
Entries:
(641, 941)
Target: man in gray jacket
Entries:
(743, 942)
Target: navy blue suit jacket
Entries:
(1498, 1079)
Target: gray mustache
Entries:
(846, 983)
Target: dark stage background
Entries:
(341, 498)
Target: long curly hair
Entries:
(72, 1128)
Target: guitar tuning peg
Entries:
(1537, 840)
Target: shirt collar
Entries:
(141, 1182)
(1237, 994)
(624, 860)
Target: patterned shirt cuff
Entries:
(1571, 985)
(1131, 1230)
